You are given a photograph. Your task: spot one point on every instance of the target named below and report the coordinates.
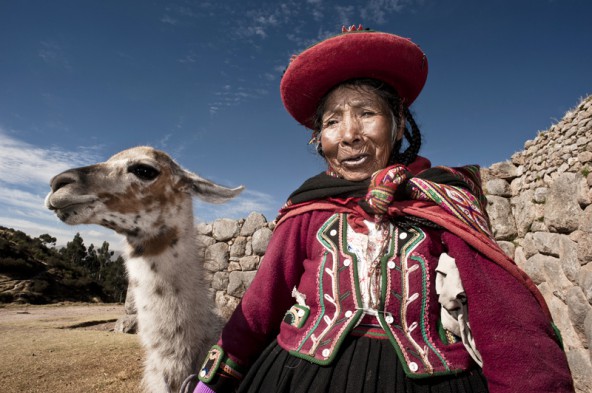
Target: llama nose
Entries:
(61, 180)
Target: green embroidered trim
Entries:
(354, 259)
(442, 333)
(558, 334)
(322, 304)
(297, 315)
(423, 311)
(211, 364)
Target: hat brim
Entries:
(364, 54)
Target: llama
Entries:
(146, 196)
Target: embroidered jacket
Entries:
(308, 252)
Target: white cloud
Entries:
(24, 164)
(25, 171)
(53, 54)
(376, 11)
(248, 201)
(23, 199)
(168, 20)
(344, 14)
(230, 96)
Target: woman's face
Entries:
(357, 132)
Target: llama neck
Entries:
(167, 252)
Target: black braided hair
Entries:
(413, 138)
(401, 113)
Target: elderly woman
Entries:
(382, 274)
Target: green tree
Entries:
(74, 252)
(48, 240)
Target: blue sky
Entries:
(82, 80)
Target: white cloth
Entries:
(454, 311)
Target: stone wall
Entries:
(232, 252)
(540, 205)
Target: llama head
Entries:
(140, 192)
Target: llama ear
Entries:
(212, 192)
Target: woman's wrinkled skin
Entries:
(357, 132)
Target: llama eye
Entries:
(143, 171)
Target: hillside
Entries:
(32, 271)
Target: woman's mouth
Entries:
(355, 161)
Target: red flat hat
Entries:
(353, 54)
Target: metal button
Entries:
(326, 353)
(333, 232)
(300, 313)
(348, 313)
(202, 373)
(389, 319)
(413, 366)
(391, 265)
(346, 262)
(403, 235)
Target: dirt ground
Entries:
(66, 348)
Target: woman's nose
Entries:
(351, 131)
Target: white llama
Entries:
(143, 194)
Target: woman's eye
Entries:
(368, 113)
(143, 171)
(329, 123)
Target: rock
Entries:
(226, 304)
(508, 248)
(234, 266)
(503, 170)
(520, 257)
(556, 278)
(517, 158)
(224, 229)
(238, 248)
(220, 281)
(585, 157)
(216, 257)
(585, 248)
(260, 240)
(586, 220)
(583, 191)
(561, 319)
(204, 241)
(516, 186)
(540, 195)
(568, 257)
(523, 211)
(535, 267)
(585, 281)
(204, 229)
(253, 222)
(562, 209)
(588, 330)
(502, 221)
(239, 282)
(538, 226)
(498, 187)
(127, 324)
(249, 263)
(541, 242)
(580, 366)
(577, 308)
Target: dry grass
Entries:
(38, 353)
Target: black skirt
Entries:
(365, 365)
